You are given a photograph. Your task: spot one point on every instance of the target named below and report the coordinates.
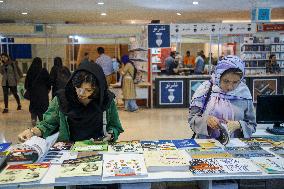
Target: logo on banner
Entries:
(158, 36)
(171, 92)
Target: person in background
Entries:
(272, 67)
(128, 88)
(230, 102)
(38, 85)
(199, 63)
(86, 58)
(59, 75)
(10, 79)
(83, 110)
(106, 63)
(188, 60)
(171, 65)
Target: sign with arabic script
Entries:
(158, 36)
(171, 92)
(213, 28)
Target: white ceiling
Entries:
(123, 11)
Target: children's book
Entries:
(124, 165)
(271, 165)
(89, 145)
(4, 148)
(125, 147)
(30, 151)
(166, 160)
(22, 173)
(248, 152)
(205, 167)
(185, 143)
(158, 145)
(81, 168)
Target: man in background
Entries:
(188, 60)
(106, 63)
(171, 65)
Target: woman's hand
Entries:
(108, 137)
(233, 125)
(28, 133)
(213, 122)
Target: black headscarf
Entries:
(88, 119)
(33, 72)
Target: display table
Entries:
(176, 91)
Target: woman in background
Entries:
(230, 102)
(37, 84)
(272, 67)
(128, 88)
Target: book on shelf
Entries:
(4, 148)
(185, 143)
(158, 145)
(170, 160)
(271, 165)
(84, 168)
(124, 165)
(248, 152)
(31, 150)
(89, 145)
(125, 147)
(23, 173)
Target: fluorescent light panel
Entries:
(248, 21)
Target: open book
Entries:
(30, 151)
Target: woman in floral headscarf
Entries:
(230, 102)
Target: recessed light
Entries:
(1, 1)
(24, 13)
(195, 2)
(101, 3)
(103, 14)
(179, 14)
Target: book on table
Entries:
(271, 165)
(125, 147)
(166, 160)
(124, 165)
(84, 168)
(31, 150)
(185, 143)
(257, 141)
(248, 152)
(22, 173)
(153, 145)
(4, 148)
(89, 145)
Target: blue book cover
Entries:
(4, 147)
(185, 143)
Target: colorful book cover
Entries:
(158, 145)
(257, 141)
(4, 148)
(271, 165)
(59, 146)
(23, 173)
(89, 145)
(248, 152)
(166, 160)
(125, 147)
(22, 154)
(216, 154)
(205, 167)
(209, 143)
(81, 167)
(124, 165)
(185, 143)
(57, 157)
(277, 150)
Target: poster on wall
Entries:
(193, 86)
(264, 87)
(171, 92)
(158, 36)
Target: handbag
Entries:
(27, 95)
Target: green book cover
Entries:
(89, 145)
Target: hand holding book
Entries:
(233, 125)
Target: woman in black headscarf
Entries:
(37, 84)
(84, 110)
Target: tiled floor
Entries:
(146, 124)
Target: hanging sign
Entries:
(213, 28)
(270, 27)
(261, 14)
(158, 36)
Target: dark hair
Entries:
(187, 52)
(84, 76)
(86, 54)
(173, 53)
(57, 61)
(5, 54)
(236, 71)
(271, 56)
(101, 50)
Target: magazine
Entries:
(125, 147)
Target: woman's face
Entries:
(273, 59)
(84, 91)
(230, 81)
(4, 58)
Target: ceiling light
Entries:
(195, 2)
(236, 21)
(103, 14)
(24, 13)
(179, 14)
(101, 3)
(132, 22)
(1, 1)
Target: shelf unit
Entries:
(255, 52)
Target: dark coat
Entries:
(38, 87)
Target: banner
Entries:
(158, 36)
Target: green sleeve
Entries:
(51, 120)
(113, 122)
